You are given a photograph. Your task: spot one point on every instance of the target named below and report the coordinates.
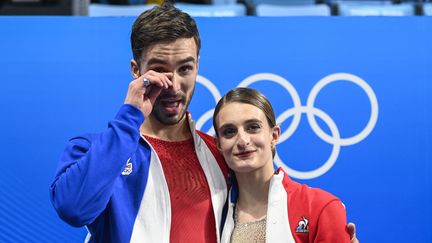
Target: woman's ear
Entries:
(275, 135)
(134, 69)
(217, 143)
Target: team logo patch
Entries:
(128, 169)
(303, 226)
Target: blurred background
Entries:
(222, 7)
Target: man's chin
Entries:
(169, 119)
(170, 122)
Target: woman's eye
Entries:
(229, 132)
(254, 127)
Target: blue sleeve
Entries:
(89, 166)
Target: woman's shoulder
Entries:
(318, 196)
(314, 197)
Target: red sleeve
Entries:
(331, 227)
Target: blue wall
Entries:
(63, 76)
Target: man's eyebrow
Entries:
(155, 60)
(187, 59)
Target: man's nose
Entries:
(176, 82)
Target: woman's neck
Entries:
(253, 194)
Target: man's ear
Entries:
(197, 63)
(135, 71)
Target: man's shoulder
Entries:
(209, 140)
(211, 144)
(83, 139)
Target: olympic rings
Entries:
(311, 111)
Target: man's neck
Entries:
(177, 132)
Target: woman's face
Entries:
(245, 137)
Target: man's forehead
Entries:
(180, 50)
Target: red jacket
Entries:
(297, 213)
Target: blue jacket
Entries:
(113, 182)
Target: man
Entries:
(150, 176)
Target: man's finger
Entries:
(352, 231)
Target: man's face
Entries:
(180, 58)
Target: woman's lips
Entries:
(244, 154)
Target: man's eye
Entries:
(159, 70)
(185, 69)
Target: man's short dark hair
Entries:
(161, 24)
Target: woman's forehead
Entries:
(236, 111)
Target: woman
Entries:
(265, 205)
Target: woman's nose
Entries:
(243, 139)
